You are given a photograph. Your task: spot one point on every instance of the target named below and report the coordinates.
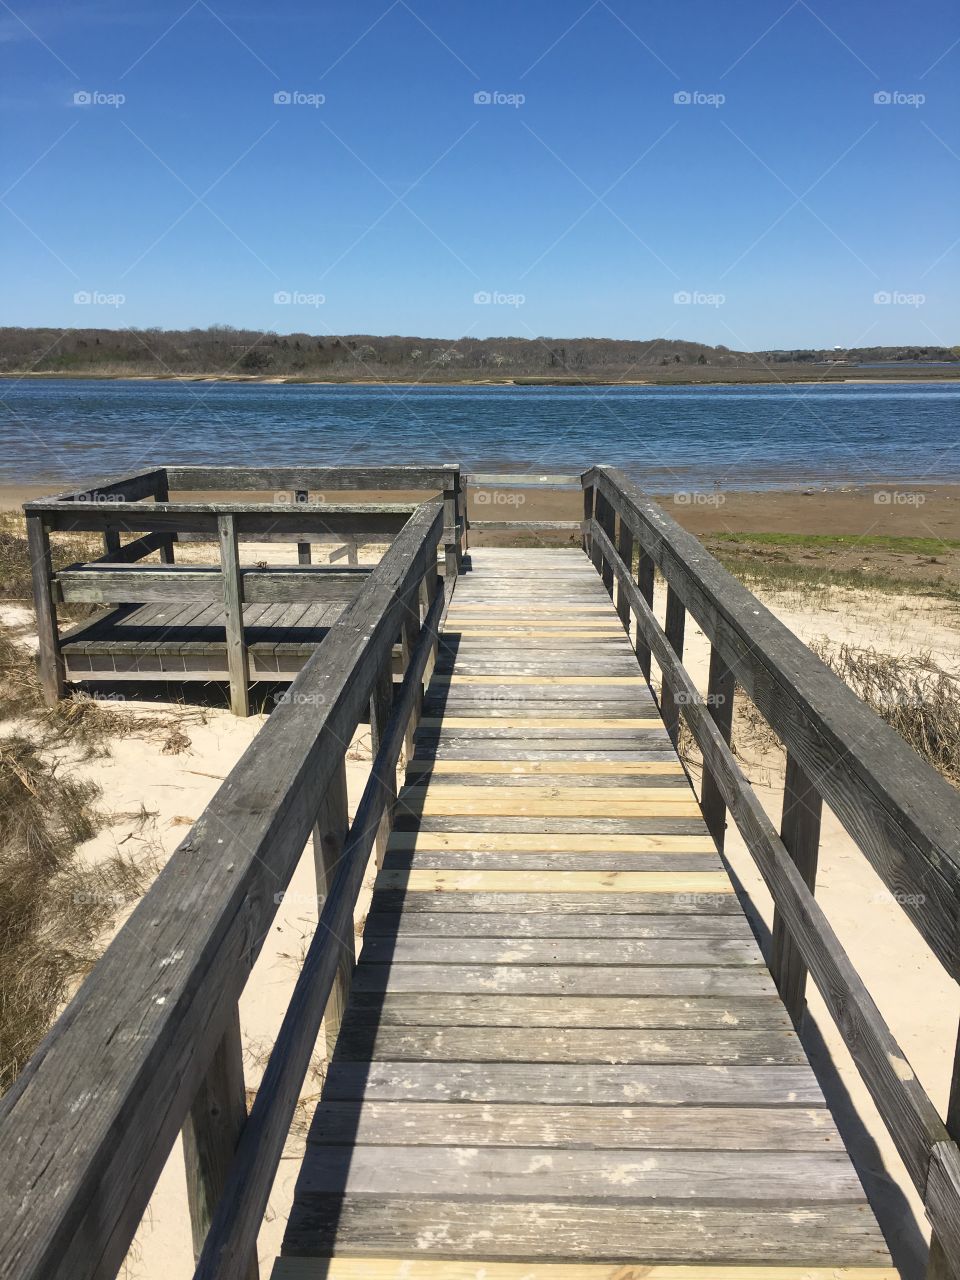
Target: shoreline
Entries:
(894, 509)
(756, 378)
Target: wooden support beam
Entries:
(800, 834)
(162, 494)
(721, 688)
(451, 539)
(238, 661)
(606, 518)
(381, 705)
(585, 539)
(645, 577)
(329, 839)
(49, 658)
(625, 550)
(674, 628)
(211, 1133)
(303, 548)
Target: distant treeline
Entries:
(223, 351)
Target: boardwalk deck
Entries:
(188, 641)
(564, 1057)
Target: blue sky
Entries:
(782, 199)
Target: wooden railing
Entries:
(902, 815)
(140, 505)
(150, 1045)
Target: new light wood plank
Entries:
(678, 883)
(344, 1268)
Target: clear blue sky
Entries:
(599, 198)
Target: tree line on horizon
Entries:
(224, 350)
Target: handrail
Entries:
(859, 773)
(91, 1120)
(902, 814)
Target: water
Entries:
(65, 432)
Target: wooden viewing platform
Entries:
(561, 1053)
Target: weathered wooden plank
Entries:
(568, 1084)
(476, 924)
(99, 584)
(704, 1013)
(517, 801)
(318, 478)
(754, 1177)
(582, 951)
(586, 980)
(360, 1043)
(811, 1234)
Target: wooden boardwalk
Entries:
(563, 1056)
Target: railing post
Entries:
(940, 1266)
(163, 495)
(645, 573)
(409, 635)
(673, 628)
(585, 540)
(721, 687)
(303, 548)
(329, 837)
(625, 552)
(800, 833)
(451, 535)
(211, 1132)
(50, 659)
(381, 704)
(238, 662)
(465, 516)
(111, 542)
(606, 519)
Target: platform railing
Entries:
(150, 1045)
(138, 507)
(902, 815)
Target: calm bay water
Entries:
(737, 437)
